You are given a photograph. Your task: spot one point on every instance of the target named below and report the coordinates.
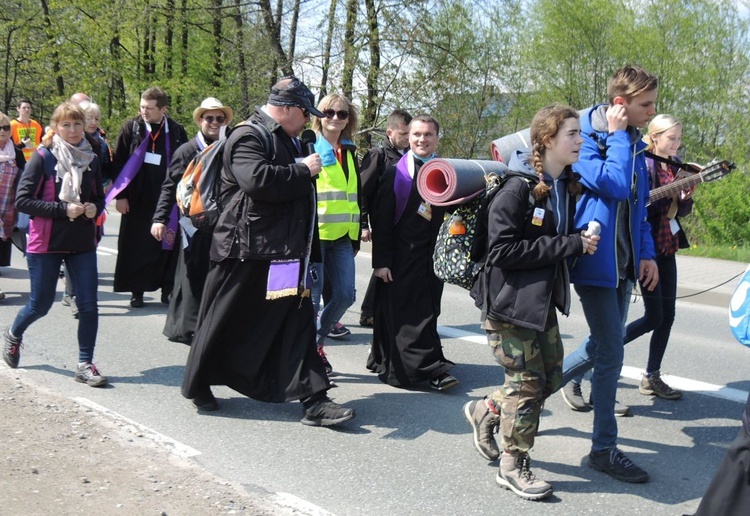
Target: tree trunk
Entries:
(240, 49)
(293, 30)
(56, 68)
(370, 112)
(350, 53)
(168, 38)
(327, 49)
(217, 21)
(272, 26)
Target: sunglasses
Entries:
(341, 114)
(211, 119)
(4, 128)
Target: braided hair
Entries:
(545, 125)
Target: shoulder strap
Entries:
(240, 130)
(678, 164)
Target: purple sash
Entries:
(283, 279)
(402, 184)
(128, 173)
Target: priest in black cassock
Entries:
(406, 347)
(143, 153)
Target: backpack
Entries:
(198, 189)
(461, 247)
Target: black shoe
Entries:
(443, 382)
(165, 297)
(11, 349)
(366, 320)
(136, 301)
(326, 413)
(206, 401)
(617, 465)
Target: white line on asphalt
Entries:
(107, 249)
(299, 506)
(168, 443)
(633, 373)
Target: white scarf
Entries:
(72, 162)
(8, 152)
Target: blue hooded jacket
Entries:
(613, 169)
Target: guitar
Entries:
(711, 172)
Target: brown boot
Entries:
(515, 474)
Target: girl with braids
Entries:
(530, 238)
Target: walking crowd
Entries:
(256, 285)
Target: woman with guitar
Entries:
(664, 138)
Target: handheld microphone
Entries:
(308, 140)
(594, 228)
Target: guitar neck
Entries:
(674, 187)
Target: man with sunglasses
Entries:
(256, 326)
(212, 118)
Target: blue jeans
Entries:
(44, 270)
(606, 310)
(338, 266)
(659, 310)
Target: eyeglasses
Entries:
(305, 112)
(4, 128)
(211, 119)
(341, 114)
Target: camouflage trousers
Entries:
(533, 371)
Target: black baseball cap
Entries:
(295, 93)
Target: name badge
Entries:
(674, 226)
(152, 158)
(425, 210)
(538, 216)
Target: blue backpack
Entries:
(739, 310)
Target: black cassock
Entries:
(264, 349)
(406, 347)
(142, 265)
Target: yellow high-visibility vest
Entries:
(338, 211)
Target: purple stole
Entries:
(128, 173)
(402, 184)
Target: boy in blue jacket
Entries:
(613, 171)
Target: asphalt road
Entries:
(408, 452)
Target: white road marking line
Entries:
(634, 373)
(107, 249)
(168, 443)
(299, 505)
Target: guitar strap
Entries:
(678, 164)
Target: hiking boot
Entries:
(324, 358)
(621, 410)
(339, 331)
(90, 375)
(11, 349)
(572, 396)
(617, 465)
(326, 413)
(653, 385)
(485, 424)
(443, 382)
(515, 474)
(366, 320)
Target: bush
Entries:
(721, 212)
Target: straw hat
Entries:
(210, 104)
